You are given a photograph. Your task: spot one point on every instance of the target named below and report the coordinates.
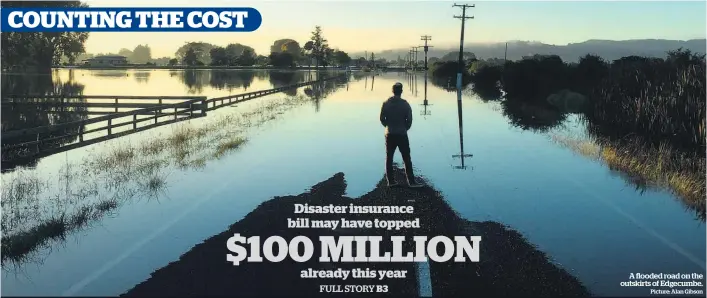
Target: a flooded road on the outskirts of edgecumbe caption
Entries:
(143, 208)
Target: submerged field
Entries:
(119, 210)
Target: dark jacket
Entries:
(396, 116)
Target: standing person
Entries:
(396, 116)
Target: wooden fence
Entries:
(219, 102)
(116, 103)
(42, 141)
(33, 143)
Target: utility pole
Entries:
(409, 61)
(416, 49)
(463, 17)
(413, 53)
(426, 38)
(373, 61)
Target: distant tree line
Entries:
(284, 53)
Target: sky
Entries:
(379, 25)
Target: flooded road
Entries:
(588, 219)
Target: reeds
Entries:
(647, 167)
(655, 99)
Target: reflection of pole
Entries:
(461, 134)
(413, 54)
(425, 112)
(373, 81)
(425, 91)
(415, 74)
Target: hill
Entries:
(608, 49)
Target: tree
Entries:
(307, 51)
(160, 61)
(218, 56)
(282, 60)
(319, 46)
(293, 48)
(262, 60)
(328, 57)
(41, 49)
(276, 47)
(361, 62)
(234, 52)
(142, 54)
(127, 53)
(191, 58)
(200, 49)
(247, 57)
(173, 62)
(454, 56)
(341, 58)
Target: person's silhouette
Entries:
(396, 116)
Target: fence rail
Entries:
(29, 143)
(219, 102)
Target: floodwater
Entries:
(590, 220)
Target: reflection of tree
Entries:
(25, 88)
(323, 89)
(448, 84)
(142, 76)
(285, 78)
(487, 94)
(109, 74)
(231, 79)
(532, 116)
(194, 80)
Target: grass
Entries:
(116, 174)
(228, 145)
(662, 168)
(19, 247)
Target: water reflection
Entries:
(103, 181)
(229, 80)
(425, 103)
(194, 80)
(641, 165)
(284, 78)
(142, 77)
(20, 110)
(109, 73)
(521, 182)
